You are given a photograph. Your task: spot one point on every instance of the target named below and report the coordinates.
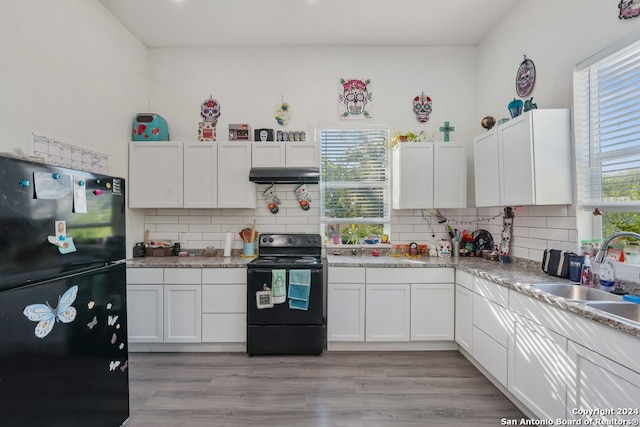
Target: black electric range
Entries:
(285, 296)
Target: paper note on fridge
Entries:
(79, 195)
(52, 185)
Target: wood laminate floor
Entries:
(436, 388)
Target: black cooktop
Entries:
(269, 261)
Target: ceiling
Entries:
(236, 23)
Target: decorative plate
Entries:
(525, 77)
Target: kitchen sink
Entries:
(626, 310)
(576, 292)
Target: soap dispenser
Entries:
(586, 278)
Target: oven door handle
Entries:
(265, 270)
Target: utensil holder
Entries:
(248, 249)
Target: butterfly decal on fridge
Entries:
(47, 316)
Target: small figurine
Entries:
(444, 248)
(488, 122)
(529, 105)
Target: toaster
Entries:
(150, 127)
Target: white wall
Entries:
(249, 82)
(70, 70)
(555, 35)
(465, 84)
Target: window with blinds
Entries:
(607, 130)
(355, 183)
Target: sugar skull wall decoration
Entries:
(422, 107)
(209, 111)
(354, 99)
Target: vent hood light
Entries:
(285, 175)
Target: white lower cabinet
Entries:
(145, 313)
(345, 304)
(600, 383)
(187, 306)
(388, 312)
(538, 368)
(224, 305)
(345, 312)
(182, 307)
(390, 305)
(492, 327)
(432, 308)
(145, 305)
(463, 318)
(490, 354)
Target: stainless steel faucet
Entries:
(607, 241)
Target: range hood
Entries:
(308, 175)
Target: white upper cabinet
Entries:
(533, 157)
(487, 165)
(268, 154)
(200, 175)
(155, 175)
(449, 175)
(413, 175)
(302, 154)
(234, 188)
(429, 175)
(285, 154)
(190, 175)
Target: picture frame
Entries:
(263, 135)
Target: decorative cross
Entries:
(446, 129)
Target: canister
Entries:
(575, 267)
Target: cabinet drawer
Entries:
(224, 298)
(224, 275)
(464, 279)
(224, 327)
(141, 276)
(183, 276)
(490, 354)
(493, 319)
(346, 275)
(488, 289)
(410, 275)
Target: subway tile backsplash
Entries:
(535, 228)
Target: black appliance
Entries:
(280, 329)
(63, 314)
(286, 175)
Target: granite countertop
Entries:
(189, 262)
(517, 276)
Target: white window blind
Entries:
(607, 130)
(355, 175)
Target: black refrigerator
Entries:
(63, 314)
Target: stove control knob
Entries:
(270, 239)
(291, 240)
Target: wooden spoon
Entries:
(253, 231)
